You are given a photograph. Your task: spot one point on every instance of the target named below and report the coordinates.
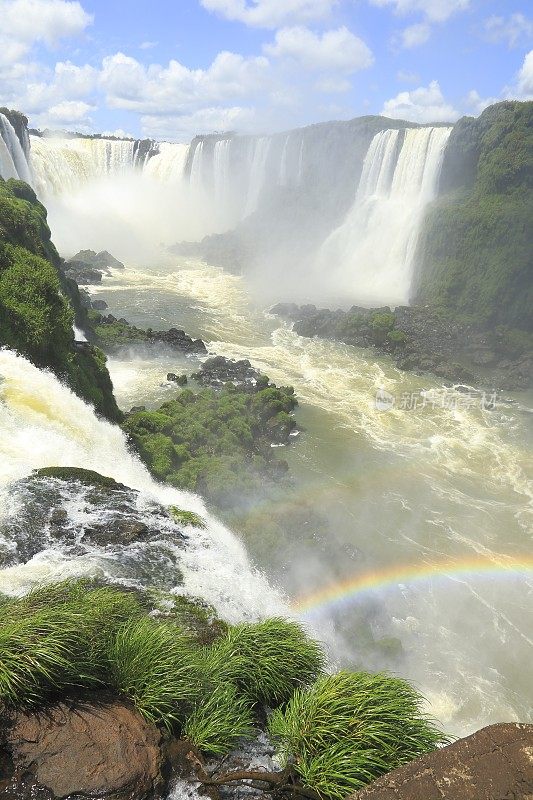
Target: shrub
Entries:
(219, 720)
(267, 660)
(350, 728)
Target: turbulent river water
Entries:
(425, 504)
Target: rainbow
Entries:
(393, 577)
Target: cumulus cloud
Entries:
(335, 50)
(204, 120)
(271, 13)
(415, 35)
(510, 30)
(525, 78)
(27, 22)
(476, 104)
(433, 10)
(425, 104)
(158, 90)
(69, 112)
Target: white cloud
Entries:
(336, 50)
(415, 35)
(525, 78)
(433, 10)
(271, 13)
(425, 104)
(26, 22)
(69, 112)
(205, 120)
(476, 104)
(510, 30)
(158, 90)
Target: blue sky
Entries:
(169, 70)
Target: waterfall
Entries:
(221, 171)
(13, 159)
(257, 173)
(197, 166)
(168, 165)
(371, 254)
(61, 164)
(42, 423)
(282, 179)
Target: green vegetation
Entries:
(78, 474)
(476, 252)
(267, 660)
(334, 733)
(350, 728)
(215, 443)
(35, 315)
(186, 517)
(116, 333)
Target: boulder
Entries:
(82, 749)
(495, 763)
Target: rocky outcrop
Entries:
(217, 371)
(82, 750)
(496, 763)
(423, 339)
(87, 267)
(111, 334)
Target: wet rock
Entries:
(81, 513)
(495, 763)
(83, 750)
(181, 380)
(419, 339)
(217, 371)
(101, 261)
(99, 305)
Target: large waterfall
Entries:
(341, 203)
(373, 249)
(13, 158)
(42, 423)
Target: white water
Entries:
(13, 163)
(42, 423)
(371, 254)
(168, 165)
(60, 165)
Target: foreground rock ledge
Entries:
(81, 750)
(496, 763)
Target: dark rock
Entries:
(181, 380)
(217, 371)
(83, 750)
(81, 273)
(99, 305)
(496, 763)
(420, 339)
(101, 261)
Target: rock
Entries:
(99, 305)
(495, 763)
(81, 273)
(181, 380)
(102, 260)
(82, 749)
(217, 371)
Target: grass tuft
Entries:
(220, 720)
(267, 660)
(350, 728)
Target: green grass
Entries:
(350, 728)
(220, 720)
(155, 665)
(267, 660)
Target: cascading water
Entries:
(197, 167)
(257, 173)
(62, 164)
(13, 158)
(371, 254)
(168, 164)
(42, 423)
(221, 170)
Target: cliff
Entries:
(476, 249)
(37, 304)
